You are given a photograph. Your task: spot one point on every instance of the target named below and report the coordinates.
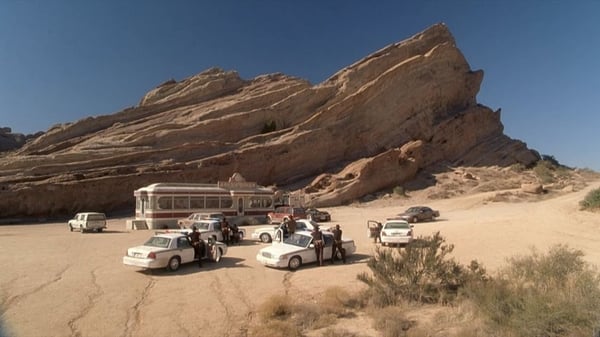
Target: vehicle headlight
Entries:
(282, 257)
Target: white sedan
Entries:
(298, 249)
(395, 231)
(170, 250)
(267, 234)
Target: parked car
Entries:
(419, 213)
(396, 231)
(267, 234)
(88, 221)
(170, 250)
(187, 222)
(282, 213)
(297, 249)
(209, 228)
(317, 215)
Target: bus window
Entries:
(212, 202)
(165, 203)
(181, 203)
(196, 202)
(226, 202)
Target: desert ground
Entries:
(60, 283)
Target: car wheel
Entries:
(295, 263)
(99, 230)
(266, 238)
(174, 263)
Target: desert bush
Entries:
(544, 171)
(269, 127)
(391, 321)
(546, 295)
(399, 191)
(422, 272)
(275, 307)
(591, 200)
(330, 332)
(276, 328)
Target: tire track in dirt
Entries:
(96, 293)
(231, 296)
(133, 315)
(287, 282)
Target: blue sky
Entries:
(61, 61)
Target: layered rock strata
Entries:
(372, 125)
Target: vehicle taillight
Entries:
(151, 255)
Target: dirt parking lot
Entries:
(60, 283)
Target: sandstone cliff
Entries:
(372, 125)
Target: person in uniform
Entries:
(337, 244)
(226, 231)
(197, 244)
(317, 236)
(291, 225)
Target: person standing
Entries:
(337, 244)
(291, 225)
(197, 244)
(226, 231)
(317, 236)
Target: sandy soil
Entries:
(60, 283)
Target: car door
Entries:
(328, 246)
(185, 249)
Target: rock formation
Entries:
(373, 125)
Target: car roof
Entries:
(169, 235)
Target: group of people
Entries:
(230, 232)
(319, 244)
(288, 226)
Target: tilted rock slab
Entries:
(372, 125)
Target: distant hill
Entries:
(405, 109)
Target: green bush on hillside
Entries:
(591, 200)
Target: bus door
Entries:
(240, 206)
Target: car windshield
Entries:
(158, 241)
(397, 225)
(298, 240)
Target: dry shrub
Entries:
(545, 295)
(338, 333)
(391, 321)
(276, 328)
(591, 200)
(275, 307)
(312, 316)
(338, 301)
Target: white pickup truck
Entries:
(88, 221)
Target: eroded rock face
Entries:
(373, 124)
